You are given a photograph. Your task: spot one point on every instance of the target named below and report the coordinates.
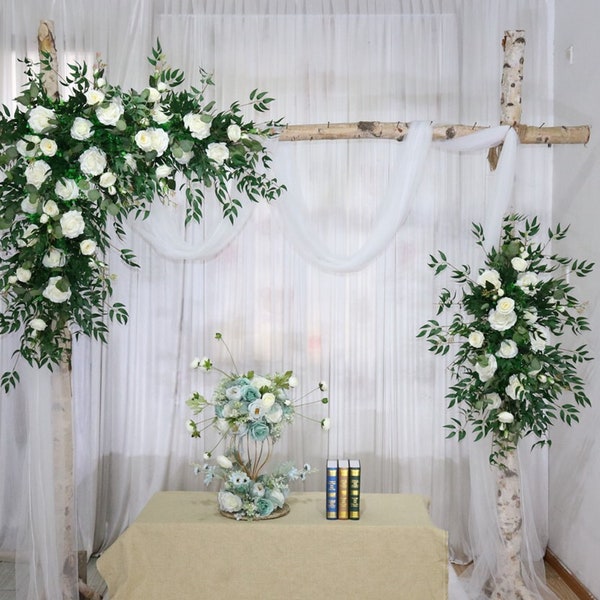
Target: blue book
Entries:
(331, 510)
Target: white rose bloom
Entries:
(519, 264)
(30, 141)
(218, 151)
(94, 97)
(159, 116)
(505, 306)
(44, 218)
(82, 129)
(256, 410)
(506, 417)
(258, 381)
(275, 414)
(539, 338)
(527, 282)
(530, 315)
(143, 139)
(487, 372)
(100, 82)
(93, 161)
(40, 117)
(37, 172)
(229, 502)
(277, 498)
(508, 349)
(476, 339)
(500, 321)
(163, 171)
(66, 189)
(153, 94)
(234, 133)
(12, 279)
(48, 147)
(160, 140)
(37, 324)
(268, 399)
(494, 401)
(490, 276)
(23, 275)
(54, 258)
(53, 293)
(199, 128)
(109, 115)
(185, 158)
(29, 207)
(514, 387)
(51, 208)
(224, 462)
(72, 224)
(87, 247)
(107, 179)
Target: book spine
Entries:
(354, 490)
(343, 476)
(331, 511)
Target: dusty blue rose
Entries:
(249, 393)
(264, 507)
(259, 431)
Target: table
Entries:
(180, 547)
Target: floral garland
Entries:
(250, 413)
(66, 166)
(510, 373)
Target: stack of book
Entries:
(343, 489)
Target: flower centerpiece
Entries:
(510, 372)
(67, 166)
(250, 412)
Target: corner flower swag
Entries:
(510, 373)
(67, 166)
(250, 413)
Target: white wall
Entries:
(575, 453)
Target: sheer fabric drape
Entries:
(270, 294)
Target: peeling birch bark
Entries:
(512, 77)
(47, 46)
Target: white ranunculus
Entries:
(107, 179)
(501, 322)
(53, 293)
(159, 116)
(508, 349)
(163, 171)
(109, 115)
(224, 462)
(31, 142)
(490, 276)
(48, 147)
(23, 275)
(505, 306)
(538, 339)
(256, 409)
(160, 140)
(519, 264)
(93, 161)
(530, 315)
(72, 224)
(51, 208)
(66, 189)
(38, 324)
(527, 282)
(486, 372)
(476, 339)
(514, 387)
(82, 129)
(229, 502)
(493, 400)
(37, 172)
(54, 258)
(197, 126)
(234, 133)
(40, 119)
(153, 95)
(94, 97)
(185, 158)
(218, 151)
(275, 414)
(87, 247)
(29, 207)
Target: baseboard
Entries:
(567, 576)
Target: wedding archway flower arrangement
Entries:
(250, 412)
(102, 153)
(513, 378)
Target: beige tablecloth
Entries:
(181, 548)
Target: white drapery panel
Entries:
(337, 61)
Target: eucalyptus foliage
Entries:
(512, 377)
(69, 166)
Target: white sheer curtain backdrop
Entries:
(433, 61)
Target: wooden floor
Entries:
(7, 582)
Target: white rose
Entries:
(12, 279)
(519, 264)
(51, 208)
(87, 247)
(486, 372)
(109, 115)
(196, 125)
(30, 230)
(229, 502)
(493, 400)
(538, 338)
(93, 161)
(163, 171)
(224, 462)
(501, 321)
(527, 282)
(159, 116)
(234, 133)
(40, 119)
(218, 151)
(490, 276)
(66, 189)
(23, 275)
(72, 224)
(82, 129)
(508, 349)
(160, 140)
(476, 339)
(29, 207)
(44, 218)
(143, 139)
(100, 82)
(277, 498)
(54, 258)
(153, 94)
(256, 410)
(28, 146)
(185, 158)
(94, 96)
(53, 293)
(48, 147)
(107, 179)
(275, 414)
(258, 381)
(530, 315)
(505, 306)
(37, 172)
(37, 324)
(514, 387)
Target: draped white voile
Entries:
(436, 61)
